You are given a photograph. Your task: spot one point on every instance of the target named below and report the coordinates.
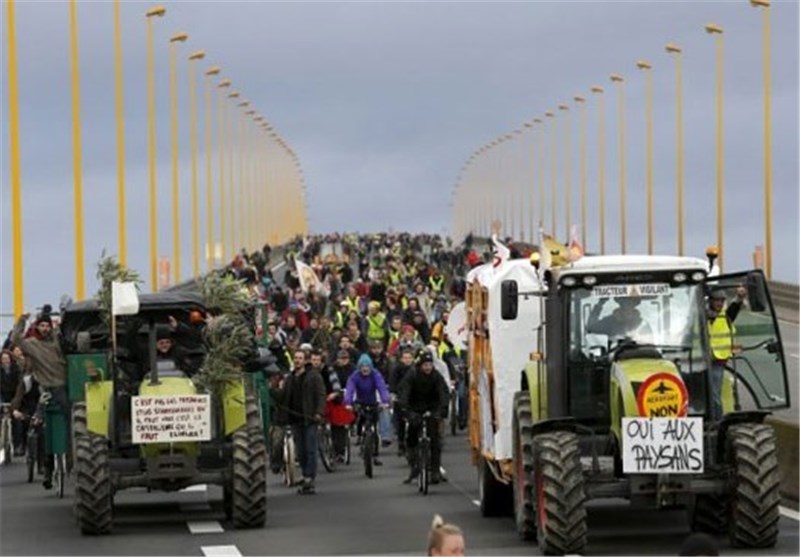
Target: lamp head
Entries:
(225, 83)
(537, 120)
(597, 89)
(179, 38)
(644, 65)
(244, 103)
(672, 48)
(563, 107)
(760, 3)
(615, 77)
(578, 99)
(712, 28)
(197, 55)
(157, 11)
(233, 95)
(549, 114)
(213, 70)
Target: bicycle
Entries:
(6, 435)
(34, 456)
(55, 434)
(369, 447)
(424, 455)
(327, 453)
(289, 458)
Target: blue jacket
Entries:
(362, 389)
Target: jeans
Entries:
(339, 435)
(305, 441)
(385, 424)
(717, 372)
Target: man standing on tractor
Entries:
(305, 398)
(720, 332)
(49, 368)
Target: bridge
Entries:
(175, 136)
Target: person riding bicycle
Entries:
(424, 390)
(364, 387)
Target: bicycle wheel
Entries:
(424, 467)
(453, 414)
(8, 449)
(60, 474)
(30, 456)
(368, 452)
(347, 448)
(324, 448)
(289, 460)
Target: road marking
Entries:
(794, 515)
(198, 487)
(278, 266)
(220, 551)
(476, 502)
(205, 527)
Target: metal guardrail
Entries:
(785, 295)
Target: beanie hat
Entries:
(365, 360)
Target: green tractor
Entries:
(617, 400)
(138, 419)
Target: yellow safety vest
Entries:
(721, 332)
(436, 285)
(395, 278)
(339, 319)
(375, 330)
(352, 304)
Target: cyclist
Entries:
(424, 390)
(401, 368)
(365, 385)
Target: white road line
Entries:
(794, 515)
(220, 551)
(198, 487)
(278, 266)
(205, 527)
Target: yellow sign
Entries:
(663, 395)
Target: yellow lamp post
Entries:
(601, 164)
(157, 11)
(618, 79)
(676, 50)
(567, 170)
(581, 101)
(247, 199)
(647, 68)
(765, 4)
(532, 177)
(176, 227)
(16, 180)
(717, 31)
(541, 165)
(221, 132)
(212, 71)
(77, 171)
(553, 172)
(231, 184)
(198, 55)
(241, 152)
(119, 104)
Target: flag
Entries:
(555, 253)
(500, 253)
(575, 247)
(124, 298)
(309, 281)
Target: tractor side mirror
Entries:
(756, 292)
(509, 300)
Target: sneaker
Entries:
(411, 477)
(436, 478)
(48, 483)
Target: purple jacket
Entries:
(362, 389)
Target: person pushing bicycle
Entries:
(424, 390)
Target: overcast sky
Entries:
(384, 102)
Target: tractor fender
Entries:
(554, 424)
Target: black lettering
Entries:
(696, 458)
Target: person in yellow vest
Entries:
(721, 332)
(352, 300)
(436, 282)
(376, 326)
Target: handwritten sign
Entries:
(171, 419)
(662, 445)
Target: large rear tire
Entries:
(755, 499)
(524, 514)
(94, 495)
(496, 498)
(560, 498)
(249, 482)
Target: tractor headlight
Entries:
(698, 276)
(590, 280)
(569, 281)
(679, 277)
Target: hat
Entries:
(408, 329)
(365, 360)
(45, 318)
(717, 295)
(425, 357)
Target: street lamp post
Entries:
(567, 170)
(765, 4)
(582, 103)
(231, 182)
(647, 68)
(553, 172)
(242, 150)
(717, 31)
(157, 11)
(601, 164)
(120, 116)
(676, 50)
(618, 79)
(532, 177)
(199, 55)
(173, 86)
(16, 181)
(541, 165)
(77, 170)
(209, 180)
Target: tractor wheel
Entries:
(253, 412)
(249, 482)
(710, 514)
(496, 498)
(558, 479)
(524, 514)
(94, 497)
(755, 497)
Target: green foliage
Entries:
(223, 294)
(229, 342)
(110, 270)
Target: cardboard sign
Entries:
(171, 419)
(663, 395)
(630, 290)
(662, 445)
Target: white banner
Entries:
(662, 445)
(171, 419)
(456, 327)
(309, 281)
(124, 298)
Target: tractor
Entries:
(138, 419)
(596, 379)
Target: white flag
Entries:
(124, 298)
(501, 253)
(309, 281)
